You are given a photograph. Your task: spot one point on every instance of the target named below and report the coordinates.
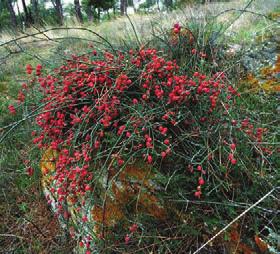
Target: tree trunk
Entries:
(12, 13)
(114, 10)
(168, 4)
(78, 11)
(158, 5)
(35, 11)
(27, 13)
(98, 14)
(133, 6)
(59, 10)
(123, 7)
(89, 12)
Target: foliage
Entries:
(109, 109)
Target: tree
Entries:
(123, 7)
(78, 11)
(59, 10)
(27, 13)
(35, 11)
(12, 13)
(100, 5)
(168, 4)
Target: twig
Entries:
(134, 30)
(58, 28)
(12, 235)
(236, 219)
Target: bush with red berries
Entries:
(111, 108)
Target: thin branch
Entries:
(236, 219)
(59, 28)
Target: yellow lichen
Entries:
(132, 186)
(267, 80)
(47, 166)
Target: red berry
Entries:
(133, 228)
(126, 239)
(232, 146)
(12, 109)
(201, 181)
(120, 162)
(197, 194)
(166, 142)
(233, 161)
(150, 159)
(163, 154)
(30, 171)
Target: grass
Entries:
(27, 225)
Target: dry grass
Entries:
(121, 29)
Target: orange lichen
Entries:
(132, 186)
(267, 80)
(263, 247)
(47, 163)
(110, 215)
(235, 244)
(47, 166)
(274, 15)
(185, 35)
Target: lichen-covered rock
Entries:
(123, 195)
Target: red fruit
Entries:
(29, 69)
(12, 109)
(233, 161)
(66, 215)
(166, 142)
(39, 67)
(230, 156)
(144, 97)
(81, 244)
(126, 239)
(234, 122)
(96, 144)
(163, 154)
(133, 228)
(134, 101)
(84, 219)
(177, 25)
(193, 51)
(30, 171)
(150, 159)
(164, 130)
(201, 181)
(232, 146)
(176, 30)
(196, 74)
(120, 162)
(168, 150)
(87, 188)
(197, 194)
(199, 168)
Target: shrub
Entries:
(105, 111)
